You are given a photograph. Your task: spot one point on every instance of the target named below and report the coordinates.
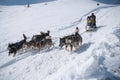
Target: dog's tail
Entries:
(24, 36)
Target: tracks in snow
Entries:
(75, 23)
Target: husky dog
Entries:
(71, 40)
(40, 41)
(14, 47)
(46, 42)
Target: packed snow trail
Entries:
(83, 18)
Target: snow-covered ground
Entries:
(97, 59)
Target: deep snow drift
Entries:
(97, 59)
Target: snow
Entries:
(97, 58)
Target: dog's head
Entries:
(12, 50)
(62, 42)
(10, 46)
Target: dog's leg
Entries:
(8, 54)
(23, 48)
(66, 47)
(53, 44)
(32, 47)
(77, 44)
(80, 43)
(14, 54)
(71, 47)
(39, 47)
(49, 45)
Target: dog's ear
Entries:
(8, 45)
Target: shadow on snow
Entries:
(19, 57)
(83, 48)
(98, 27)
(22, 55)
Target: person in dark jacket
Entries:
(93, 18)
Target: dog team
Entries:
(44, 39)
